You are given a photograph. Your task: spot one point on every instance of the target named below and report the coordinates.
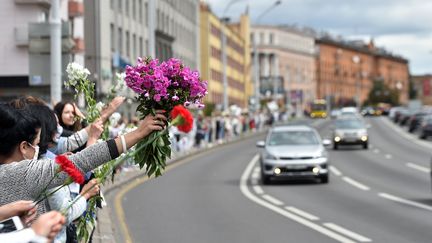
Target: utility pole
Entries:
(356, 60)
(56, 85)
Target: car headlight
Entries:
(270, 156)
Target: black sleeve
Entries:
(114, 153)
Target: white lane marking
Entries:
(356, 183)
(388, 156)
(273, 200)
(302, 213)
(376, 151)
(335, 171)
(257, 170)
(347, 232)
(255, 175)
(405, 201)
(245, 190)
(258, 189)
(418, 167)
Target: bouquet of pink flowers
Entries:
(162, 86)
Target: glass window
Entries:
(141, 44)
(127, 44)
(140, 11)
(261, 38)
(127, 7)
(293, 138)
(134, 9)
(120, 41)
(134, 46)
(271, 39)
(112, 36)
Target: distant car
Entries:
(334, 113)
(426, 127)
(349, 131)
(293, 152)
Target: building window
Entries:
(134, 50)
(146, 13)
(127, 7)
(261, 38)
(127, 44)
(112, 36)
(120, 41)
(120, 5)
(271, 39)
(252, 38)
(141, 44)
(134, 9)
(140, 11)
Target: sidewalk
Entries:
(105, 230)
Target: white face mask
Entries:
(58, 133)
(36, 153)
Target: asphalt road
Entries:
(381, 194)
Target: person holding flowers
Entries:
(24, 177)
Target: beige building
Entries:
(239, 88)
(286, 65)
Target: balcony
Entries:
(44, 3)
(75, 8)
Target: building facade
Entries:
(238, 58)
(346, 71)
(286, 65)
(25, 42)
(117, 33)
(422, 85)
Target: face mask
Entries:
(58, 134)
(36, 153)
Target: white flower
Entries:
(76, 73)
(99, 106)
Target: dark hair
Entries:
(16, 125)
(58, 109)
(38, 109)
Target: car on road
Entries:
(350, 131)
(293, 151)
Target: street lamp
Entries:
(356, 60)
(255, 60)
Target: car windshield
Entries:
(293, 138)
(349, 124)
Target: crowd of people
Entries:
(33, 135)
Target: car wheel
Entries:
(335, 146)
(365, 145)
(422, 136)
(324, 178)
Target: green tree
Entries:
(380, 92)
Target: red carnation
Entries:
(182, 118)
(67, 166)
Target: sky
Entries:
(403, 27)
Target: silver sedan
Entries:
(293, 152)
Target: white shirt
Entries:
(22, 236)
